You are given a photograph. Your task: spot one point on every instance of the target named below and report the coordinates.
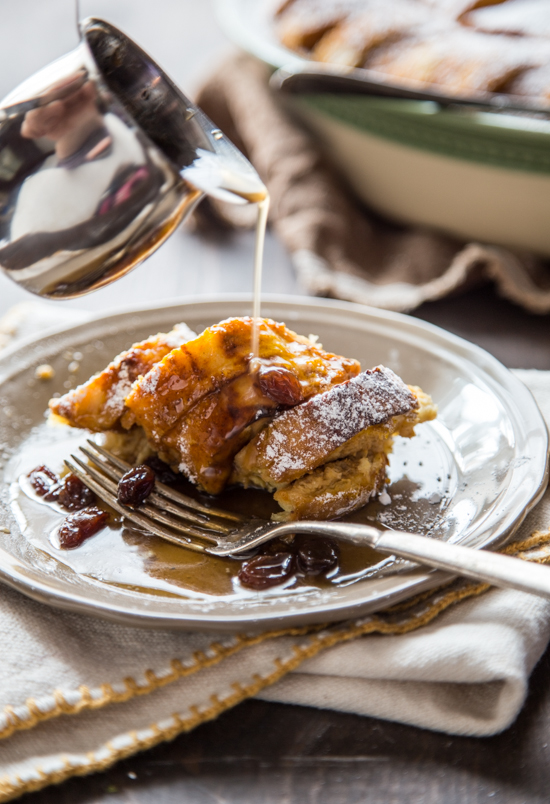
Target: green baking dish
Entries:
(483, 176)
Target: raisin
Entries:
(71, 493)
(80, 526)
(43, 480)
(74, 495)
(280, 384)
(277, 546)
(264, 571)
(162, 470)
(136, 485)
(315, 555)
(54, 492)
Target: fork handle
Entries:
(481, 565)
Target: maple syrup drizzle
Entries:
(261, 224)
(226, 180)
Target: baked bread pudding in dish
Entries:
(464, 46)
(295, 419)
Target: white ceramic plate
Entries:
(469, 477)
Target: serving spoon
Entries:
(314, 77)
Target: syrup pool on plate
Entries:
(128, 558)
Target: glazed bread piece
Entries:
(318, 431)
(327, 456)
(205, 400)
(98, 404)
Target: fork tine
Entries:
(237, 542)
(106, 490)
(163, 503)
(158, 515)
(166, 491)
(137, 519)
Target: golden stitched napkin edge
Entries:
(326, 637)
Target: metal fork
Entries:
(190, 524)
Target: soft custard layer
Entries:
(334, 489)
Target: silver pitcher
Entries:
(101, 157)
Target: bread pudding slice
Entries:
(98, 404)
(463, 61)
(205, 400)
(295, 420)
(328, 456)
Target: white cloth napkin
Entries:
(77, 694)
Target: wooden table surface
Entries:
(259, 752)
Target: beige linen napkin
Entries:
(338, 247)
(77, 693)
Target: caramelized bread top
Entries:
(98, 404)
(162, 398)
(308, 435)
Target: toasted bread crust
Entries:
(99, 403)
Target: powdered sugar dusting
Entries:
(150, 381)
(119, 390)
(332, 418)
(384, 498)
(181, 333)
(177, 336)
